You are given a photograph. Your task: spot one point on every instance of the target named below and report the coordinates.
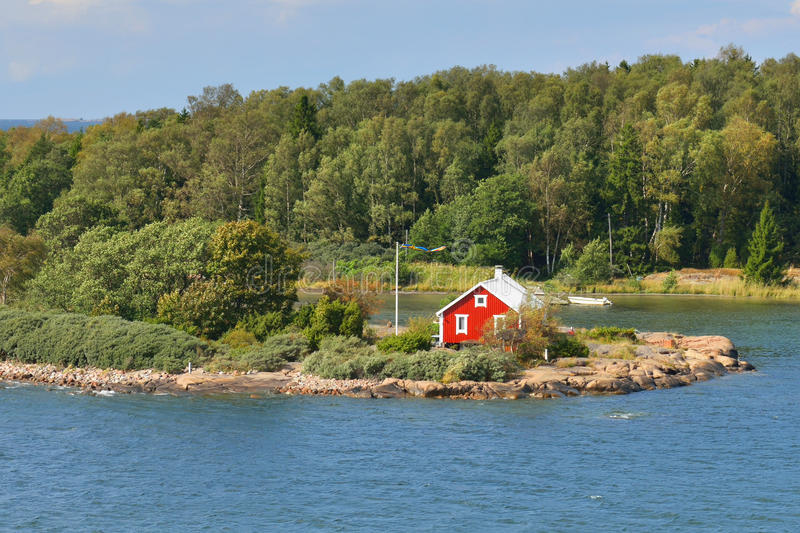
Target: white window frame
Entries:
(483, 298)
(465, 329)
(497, 318)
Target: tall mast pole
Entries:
(610, 249)
(396, 288)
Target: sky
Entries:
(95, 58)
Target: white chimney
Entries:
(498, 272)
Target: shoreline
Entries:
(661, 361)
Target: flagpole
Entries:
(396, 288)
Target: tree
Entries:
(28, 192)
(665, 244)
(557, 215)
(593, 265)
(765, 264)
(261, 266)
(228, 184)
(624, 186)
(71, 216)
(734, 167)
(118, 272)
(20, 258)
(304, 118)
(731, 259)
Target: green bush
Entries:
(670, 282)
(204, 308)
(715, 259)
(480, 364)
(731, 258)
(416, 338)
(123, 272)
(592, 266)
(261, 360)
(238, 338)
(264, 325)
(610, 333)
(301, 318)
(352, 321)
(104, 342)
(568, 347)
(408, 342)
(289, 346)
(341, 358)
(421, 366)
(329, 317)
(350, 358)
(270, 356)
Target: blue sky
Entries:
(94, 58)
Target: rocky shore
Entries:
(659, 361)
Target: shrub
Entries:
(416, 338)
(104, 342)
(731, 259)
(270, 356)
(341, 358)
(289, 346)
(238, 338)
(261, 359)
(264, 325)
(568, 347)
(479, 364)
(329, 318)
(610, 333)
(352, 320)
(592, 266)
(670, 282)
(408, 342)
(301, 318)
(422, 366)
(204, 308)
(715, 259)
(124, 272)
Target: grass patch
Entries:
(611, 334)
(570, 362)
(626, 352)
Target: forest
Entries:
(676, 159)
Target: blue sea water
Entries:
(71, 125)
(716, 456)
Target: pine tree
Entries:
(731, 259)
(765, 264)
(304, 118)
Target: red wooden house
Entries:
(464, 318)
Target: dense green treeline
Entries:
(679, 157)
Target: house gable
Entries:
(475, 316)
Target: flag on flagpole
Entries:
(422, 248)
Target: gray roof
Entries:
(506, 290)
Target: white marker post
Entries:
(396, 288)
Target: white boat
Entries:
(583, 300)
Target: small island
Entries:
(614, 366)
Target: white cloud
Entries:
(708, 38)
(19, 72)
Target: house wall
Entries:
(478, 316)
